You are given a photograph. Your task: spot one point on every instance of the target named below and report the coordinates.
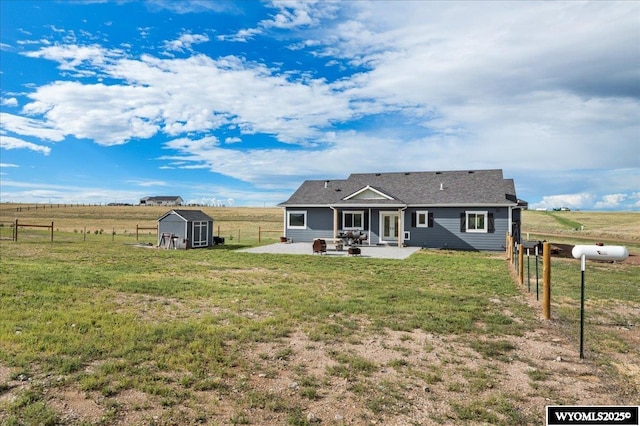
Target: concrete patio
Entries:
(379, 252)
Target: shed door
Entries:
(200, 234)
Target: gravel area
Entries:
(380, 252)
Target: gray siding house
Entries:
(171, 200)
(462, 210)
(185, 229)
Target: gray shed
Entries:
(185, 229)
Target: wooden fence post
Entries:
(51, 231)
(15, 231)
(546, 280)
(521, 264)
(507, 245)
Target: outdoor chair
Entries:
(319, 246)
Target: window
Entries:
(422, 219)
(476, 222)
(353, 220)
(297, 220)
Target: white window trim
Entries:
(353, 212)
(426, 219)
(478, 213)
(200, 224)
(303, 213)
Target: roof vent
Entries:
(326, 183)
(377, 174)
(407, 174)
(441, 186)
(438, 173)
(338, 189)
(470, 171)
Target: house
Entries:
(465, 210)
(162, 201)
(185, 229)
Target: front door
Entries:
(389, 226)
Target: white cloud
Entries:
(29, 127)
(185, 41)
(8, 142)
(610, 201)
(189, 95)
(73, 56)
(7, 165)
(232, 140)
(538, 88)
(573, 201)
(10, 102)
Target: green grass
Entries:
(108, 317)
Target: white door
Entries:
(389, 226)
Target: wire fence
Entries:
(233, 232)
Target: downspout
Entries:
(510, 220)
(401, 226)
(284, 223)
(369, 230)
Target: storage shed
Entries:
(185, 229)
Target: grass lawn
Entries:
(104, 332)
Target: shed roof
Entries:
(189, 215)
(437, 188)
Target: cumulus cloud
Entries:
(572, 201)
(10, 102)
(610, 201)
(532, 87)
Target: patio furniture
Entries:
(319, 246)
(354, 251)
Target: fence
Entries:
(234, 232)
(266, 231)
(143, 228)
(18, 225)
(516, 253)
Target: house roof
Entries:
(189, 215)
(163, 198)
(438, 188)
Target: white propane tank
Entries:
(595, 252)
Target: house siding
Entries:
(446, 233)
(319, 225)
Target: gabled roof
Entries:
(446, 188)
(163, 198)
(189, 215)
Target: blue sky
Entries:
(238, 103)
